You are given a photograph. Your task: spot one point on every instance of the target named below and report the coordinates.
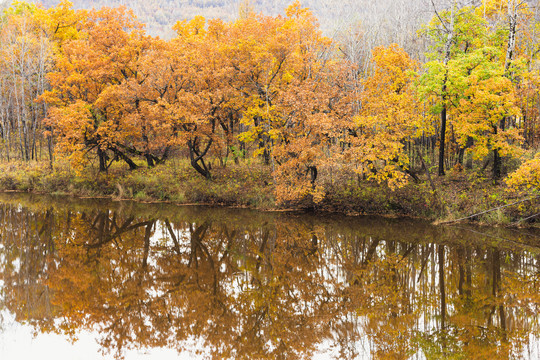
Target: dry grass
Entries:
(250, 184)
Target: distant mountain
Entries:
(160, 15)
(396, 19)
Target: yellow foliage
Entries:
(527, 176)
(389, 115)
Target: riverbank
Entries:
(250, 185)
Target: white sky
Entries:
(18, 342)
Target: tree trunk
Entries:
(197, 158)
(312, 175)
(461, 155)
(266, 157)
(497, 161)
(121, 155)
(149, 160)
(102, 155)
(443, 136)
(50, 149)
(469, 163)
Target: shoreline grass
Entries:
(251, 186)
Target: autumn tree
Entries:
(202, 104)
(289, 93)
(486, 96)
(452, 32)
(87, 113)
(388, 118)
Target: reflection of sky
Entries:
(21, 342)
(18, 342)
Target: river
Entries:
(92, 279)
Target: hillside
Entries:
(396, 19)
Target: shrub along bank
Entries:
(251, 185)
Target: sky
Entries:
(20, 342)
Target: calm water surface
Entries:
(86, 279)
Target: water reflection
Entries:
(248, 285)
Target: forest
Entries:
(446, 117)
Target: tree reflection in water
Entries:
(249, 285)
